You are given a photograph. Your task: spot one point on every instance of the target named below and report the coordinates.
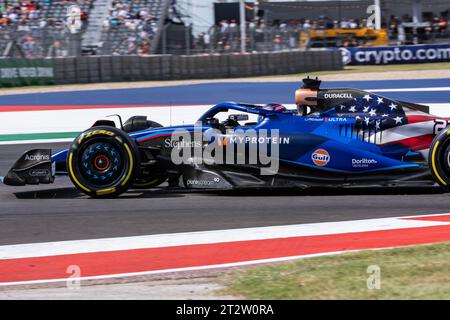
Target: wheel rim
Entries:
(101, 164)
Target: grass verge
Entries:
(417, 272)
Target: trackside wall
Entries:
(173, 67)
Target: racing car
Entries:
(333, 138)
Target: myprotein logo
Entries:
(320, 157)
(259, 140)
(338, 96)
(37, 157)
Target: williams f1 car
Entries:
(334, 138)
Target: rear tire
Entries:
(149, 182)
(150, 177)
(103, 162)
(439, 159)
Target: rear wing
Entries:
(415, 106)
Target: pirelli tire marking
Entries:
(439, 154)
(128, 163)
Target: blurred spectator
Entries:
(282, 35)
(144, 48)
(133, 23)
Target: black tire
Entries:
(439, 159)
(150, 181)
(103, 162)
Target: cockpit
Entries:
(230, 115)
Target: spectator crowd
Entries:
(130, 27)
(284, 35)
(37, 28)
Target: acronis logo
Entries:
(37, 157)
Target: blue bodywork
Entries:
(327, 137)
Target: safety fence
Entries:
(91, 69)
(220, 40)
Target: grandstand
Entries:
(40, 28)
(36, 29)
(131, 26)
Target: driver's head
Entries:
(276, 107)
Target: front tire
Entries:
(103, 162)
(439, 159)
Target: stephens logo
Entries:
(320, 157)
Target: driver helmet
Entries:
(276, 107)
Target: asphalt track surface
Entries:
(58, 212)
(212, 93)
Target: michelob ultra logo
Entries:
(320, 157)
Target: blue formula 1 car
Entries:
(335, 137)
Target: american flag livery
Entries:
(385, 122)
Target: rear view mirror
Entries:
(238, 117)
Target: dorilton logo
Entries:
(338, 96)
(37, 157)
(363, 163)
(320, 157)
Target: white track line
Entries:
(429, 89)
(36, 141)
(207, 237)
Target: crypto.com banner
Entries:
(396, 54)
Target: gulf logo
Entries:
(320, 157)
